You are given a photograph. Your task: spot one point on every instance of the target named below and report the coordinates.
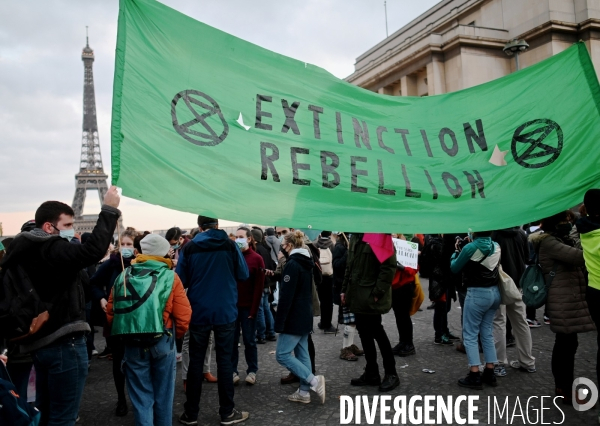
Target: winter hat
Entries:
(325, 234)
(257, 235)
(270, 231)
(155, 245)
(592, 202)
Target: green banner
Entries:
(207, 123)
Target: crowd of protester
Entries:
(163, 300)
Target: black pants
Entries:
(224, 337)
(401, 303)
(325, 290)
(311, 353)
(440, 317)
(371, 329)
(118, 352)
(593, 301)
(563, 360)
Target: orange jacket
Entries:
(177, 308)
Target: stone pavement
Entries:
(266, 401)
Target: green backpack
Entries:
(534, 284)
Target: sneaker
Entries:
(320, 388)
(356, 350)
(105, 353)
(452, 337)
(178, 357)
(517, 365)
(272, 338)
(251, 379)
(510, 342)
(533, 323)
(235, 417)
(330, 330)
(236, 379)
(442, 341)
(94, 352)
(432, 306)
(546, 320)
(184, 419)
(500, 370)
(296, 397)
(347, 355)
(261, 341)
(389, 383)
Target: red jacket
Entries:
(403, 277)
(250, 291)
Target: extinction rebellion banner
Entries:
(207, 123)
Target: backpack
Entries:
(325, 259)
(14, 409)
(534, 284)
(22, 312)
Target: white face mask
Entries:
(242, 243)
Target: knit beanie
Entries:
(270, 231)
(592, 202)
(154, 245)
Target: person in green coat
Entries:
(367, 291)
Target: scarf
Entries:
(141, 258)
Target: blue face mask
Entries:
(127, 252)
(67, 234)
(176, 246)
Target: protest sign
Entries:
(205, 122)
(407, 253)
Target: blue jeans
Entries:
(264, 319)
(150, 376)
(224, 338)
(61, 369)
(300, 364)
(248, 327)
(481, 304)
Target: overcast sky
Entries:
(41, 80)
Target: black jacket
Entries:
(54, 267)
(295, 308)
(515, 251)
(265, 253)
(339, 259)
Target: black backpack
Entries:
(430, 258)
(22, 312)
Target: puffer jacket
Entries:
(367, 279)
(566, 304)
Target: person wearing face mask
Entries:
(250, 293)
(102, 283)
(176, 240)
(53, 267)
(566, 303)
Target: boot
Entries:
(367, 380)
(488, 377)
(406, 350)
(210, 378)
(472, 381)
(390, 382)
(347, 355)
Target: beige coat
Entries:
(566, 305)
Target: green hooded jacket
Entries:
(367, 279)
(139, 308)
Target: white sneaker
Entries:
(296, 397)
(320, 388)
(251, 379)
(236, 378)
(178, 357)
(94, 352)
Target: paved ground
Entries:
(267, 403)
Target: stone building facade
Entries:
(459, 44)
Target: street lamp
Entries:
(514, 47)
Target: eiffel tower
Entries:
(91, 172)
